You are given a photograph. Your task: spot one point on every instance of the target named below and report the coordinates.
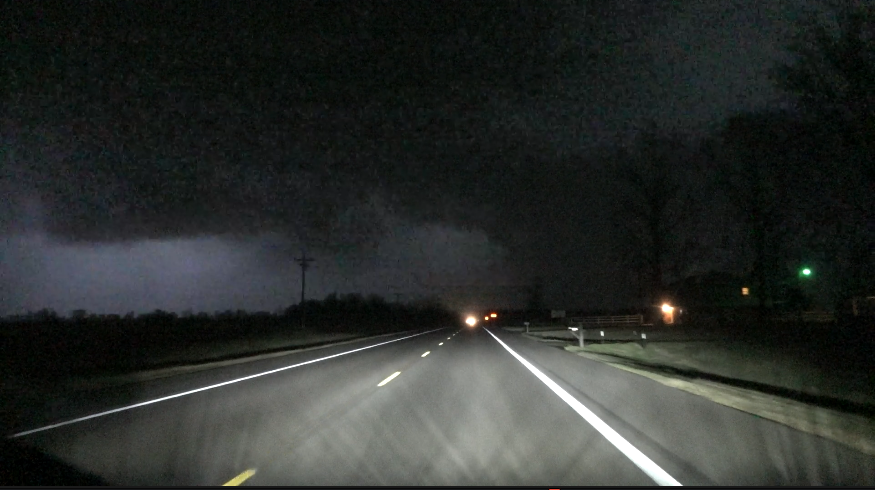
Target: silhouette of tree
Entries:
(535, 300)
(757, 160)
(652, 204)
(79, 315)
(831, 78)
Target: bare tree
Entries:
(650, 200)
(831, 76)
(535, 293)
(761, 163)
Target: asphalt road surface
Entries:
(483, 407)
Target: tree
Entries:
(535, 300)
(45, 314)
(375, 301)
(830, 77)
(760, 162)
(79, 314)
(651, 199)
(331, 300)
(352, 300)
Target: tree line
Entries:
(771, 191)
(334, 313)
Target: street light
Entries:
(667, 314)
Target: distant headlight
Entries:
(471, 321)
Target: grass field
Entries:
(51, 354)
(815, 360)
(47, 361)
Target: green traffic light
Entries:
(806, 271)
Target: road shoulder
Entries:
(855, 431)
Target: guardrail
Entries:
(807, 317)
(642, 334)
(578, 324)
(579, 334)
(601, 321)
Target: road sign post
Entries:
(577, 332)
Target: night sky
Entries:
(179, 155)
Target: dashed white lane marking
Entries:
(205, 388)
(390, 378)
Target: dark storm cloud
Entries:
(329, 123)
(183, 120)
(254, 273)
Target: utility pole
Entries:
(304, 262)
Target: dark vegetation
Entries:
(87, 344)
(770, 192)
(26, 466)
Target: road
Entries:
(483, 407)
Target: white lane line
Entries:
(660, 476)
(390, 378)
(210, 387)
(441, 343)
(426, 353)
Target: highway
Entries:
(456, 406)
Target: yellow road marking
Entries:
(390, 378)
(426, 353)
(237, 480)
